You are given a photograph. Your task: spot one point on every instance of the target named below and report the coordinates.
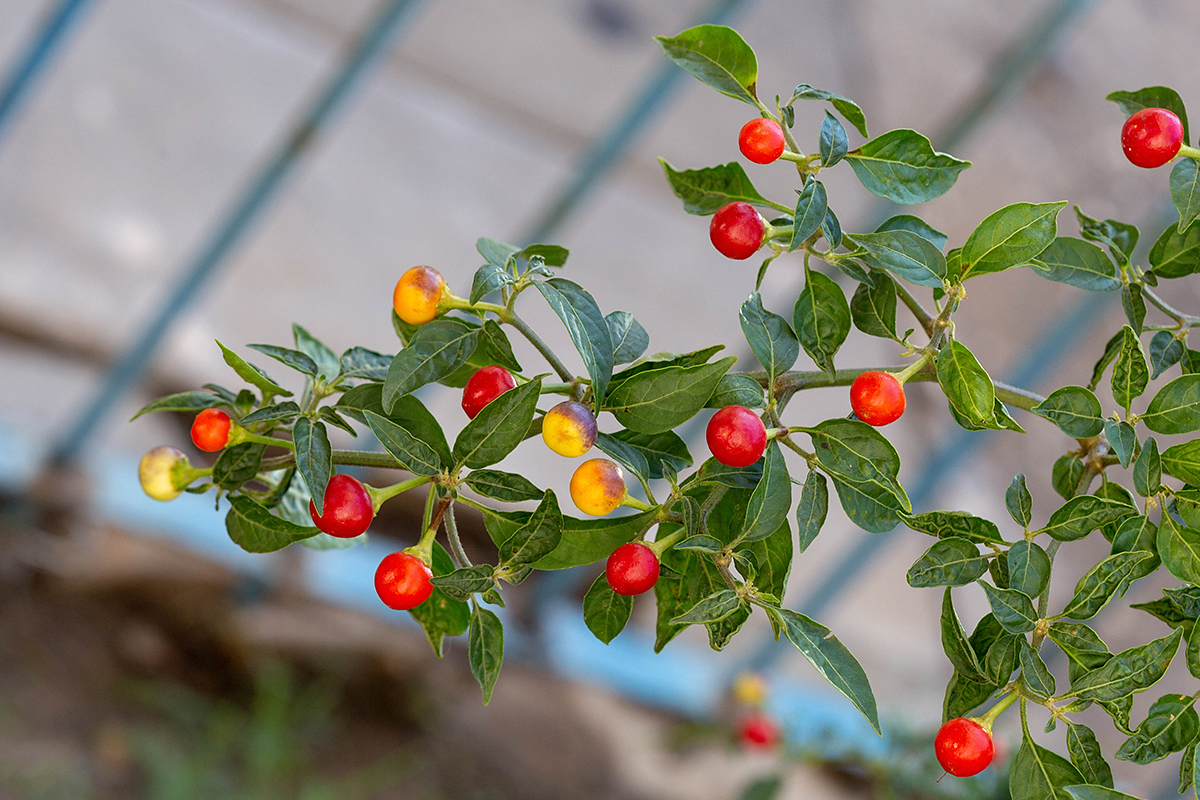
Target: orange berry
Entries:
(597, 487)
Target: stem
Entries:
(429, 522)
(455, 543)
(1189, 152)
(914, 305)
(559, 367)
(239, 435)
(995, 711)
(632, 502)
(659, 546)
(788, 155)
(382, 494)
(914, 368)
(1183, 320)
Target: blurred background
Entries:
(175, 171)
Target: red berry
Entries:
(737, 230)
(347, 510)
(761, 140)
(632, 569)
(759, 730)
(210, 430)
(877, 398)
(402, 581)
(485, 386)
(963, 747)
(1152, 137)
(736, 436)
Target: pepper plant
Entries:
(715, 540)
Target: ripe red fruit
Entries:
(877, 398)
(759, 730)
(632, 569)
(737, 230)
(736, 436)
(485, 386)
(761, 140)
(210, 430)
(402, 581)
(963, 747)
(1152, 137)
(347, 510)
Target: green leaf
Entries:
(1152, 97)
(661, 451)
(763, 789)
(705, 191)
(1096, 588)
(586, 326)
(437, 349)
(967, 386)
(1002, 657)
(812, 508)
(1188, 769)
(831, 229)
(833, 143)
(1187, 505)
(1086, 755)
(314, 457)
(276, 412)
(485, 649)
(1081, 515)
(629, 338)
(902, 166)
(1179, 549)
(943, 524)
(256, 530)
(604, 611)
(1110, 353)
(811, 207)
(831, 658)
(408, 412)
(1147, 468)
(1033, 671)
(661, 399)
(1134, 306)
(770, 337)
(821, 318)
(858, 453)
(1039, 774)
(237, 464)
(1019, 501)
(950, 562)
(1088, 792)
(1170, 726)
(955, 644)
(1165, 352)
(718, 56)
(186, 402)
(505, 486)
(843, 105)
(1185, 191)
(1132, 670)
(584, 541)
(359, 362)
(1013, 610)
(964, 695)
(1176, 254)
(905, 253)
(714, 608)
(873, 307)
(1028, 567)
(292, 358)
(737, 390)
(1079, 264)
(1181, 461)
(1130, 373)
(1120, 237)
(907, 222)
(772, 559)
(416, 456)
(252, 374)
(1010, 237)
(1176, 407)
(1122, 438)
(537, 538)
(498, 428)
(462, 583)
(1075, 410)
(868, 505)
(489, 278)
(771, 499)
(494, 348)
(328, 364)
(441, 615)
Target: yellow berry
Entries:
(417, 295)
(569, 429)
(750, 689)
(597, 487)
(156, 472)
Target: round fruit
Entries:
(347, 510)
(569, 429)
(761, 140)
(484, 386)
(736, 436)
(1152, 137)
(210, 430)
(963, 747)
(417, 295)
(737, 230)
(759, 730)
(155, 472)
(402, 581)
(597, 487)
(632, 569)
(750, 689)
(877, 398)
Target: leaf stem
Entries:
(456, 547)
(511, 318)
(382, 494)
(1182, 320)
(995, 711)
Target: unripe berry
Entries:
(347, 510)
(736, 436)
(1151, 137)
(484, 386)
(759, 730)
(597, 487)
(737, 230)
(761, 140)
(632, 569)
(210, 430)
(963, 747)
(156, 472)
(569, 429)
(877, 398)
(402, 581)
(417, 295)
